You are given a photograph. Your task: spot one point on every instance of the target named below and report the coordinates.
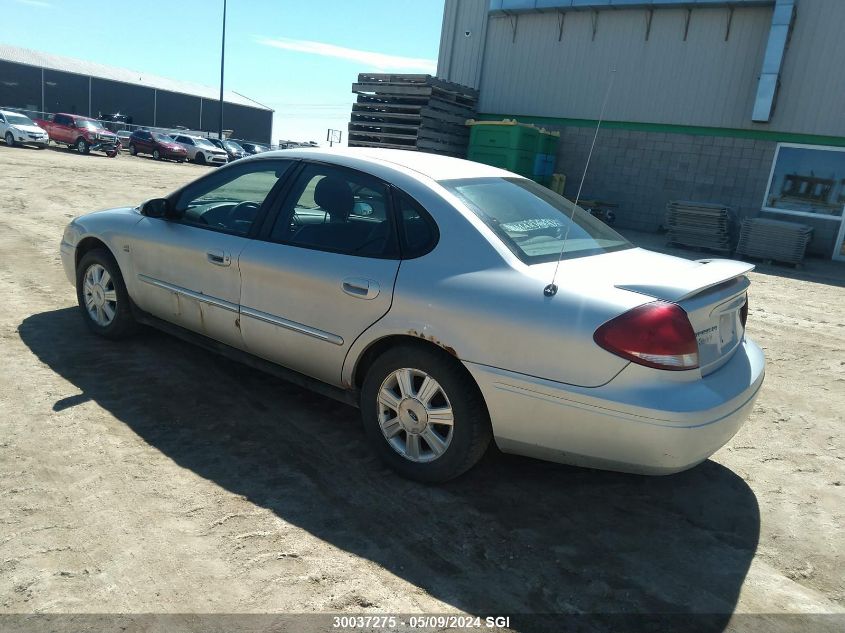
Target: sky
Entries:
(298, 57)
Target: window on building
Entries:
(807, 180)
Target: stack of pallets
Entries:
(700, 225)
(774, 240)
(415, 112)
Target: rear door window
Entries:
(339, 210)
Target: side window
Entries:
(2, 119)
(417, 231)
(338, 210)
(61, 119)
(230, 201)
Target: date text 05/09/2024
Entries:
(356, 622)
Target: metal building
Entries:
(41, 82)
(732, 101)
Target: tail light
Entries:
(656, 334)
(743, 312)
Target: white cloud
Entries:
(36, 3)
(374, 61)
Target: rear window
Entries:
(534, 222)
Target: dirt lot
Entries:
(151, 476)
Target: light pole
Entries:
(222, 67)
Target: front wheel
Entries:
(133, 150)
(82, 146)
(111, 154)
(10, 140)
(200, 158)
(102, 296)
(423, 414)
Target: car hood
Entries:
(645, 272)
(34, 129)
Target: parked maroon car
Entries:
(159, 145)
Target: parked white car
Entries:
(19, 129)
(201, 150)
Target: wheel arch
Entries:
(87, 244)
(378, 347)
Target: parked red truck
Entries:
(80, 133)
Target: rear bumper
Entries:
(643, 421)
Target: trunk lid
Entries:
(711, 291)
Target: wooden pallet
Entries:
(411, 111)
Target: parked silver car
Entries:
(417, 287)
(201, 150)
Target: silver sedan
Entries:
(455, 303)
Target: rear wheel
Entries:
(200, 158)
(82, 146)
(10, 140)
(102, 296)
(423, 414)
(111, 154)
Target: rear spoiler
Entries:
(690, 280)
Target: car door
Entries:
(3, 127)
(143, 142)
(188, 144)
(61, 128)
(322, 273)
(187, 265)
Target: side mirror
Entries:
(155, 208)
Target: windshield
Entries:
(533, 221)
(233, 147)
(18, 119)
(204, 143)
(162, 138)
(88, 125)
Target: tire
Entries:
(10, 140)
(112, 154)
(82, 146)
(180, 160)
(156, 154)
(121, 324)
(133, 150)
(199, 159)
(462, 444)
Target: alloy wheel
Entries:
(10, 140)
(415, 415)
(100, 295)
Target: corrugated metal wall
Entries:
(461, 55)
(703, 81)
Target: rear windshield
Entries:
(534, 222)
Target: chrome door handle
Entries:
(360, 288)
(218, 257)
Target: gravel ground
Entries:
(151, 476)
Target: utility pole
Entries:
(222, 67)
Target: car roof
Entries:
(434, 166)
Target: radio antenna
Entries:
(551, 289)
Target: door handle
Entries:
(360, 288)
(219, 257)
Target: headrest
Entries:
(333, 195)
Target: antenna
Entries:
(551, 289)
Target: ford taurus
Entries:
(454, 303)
